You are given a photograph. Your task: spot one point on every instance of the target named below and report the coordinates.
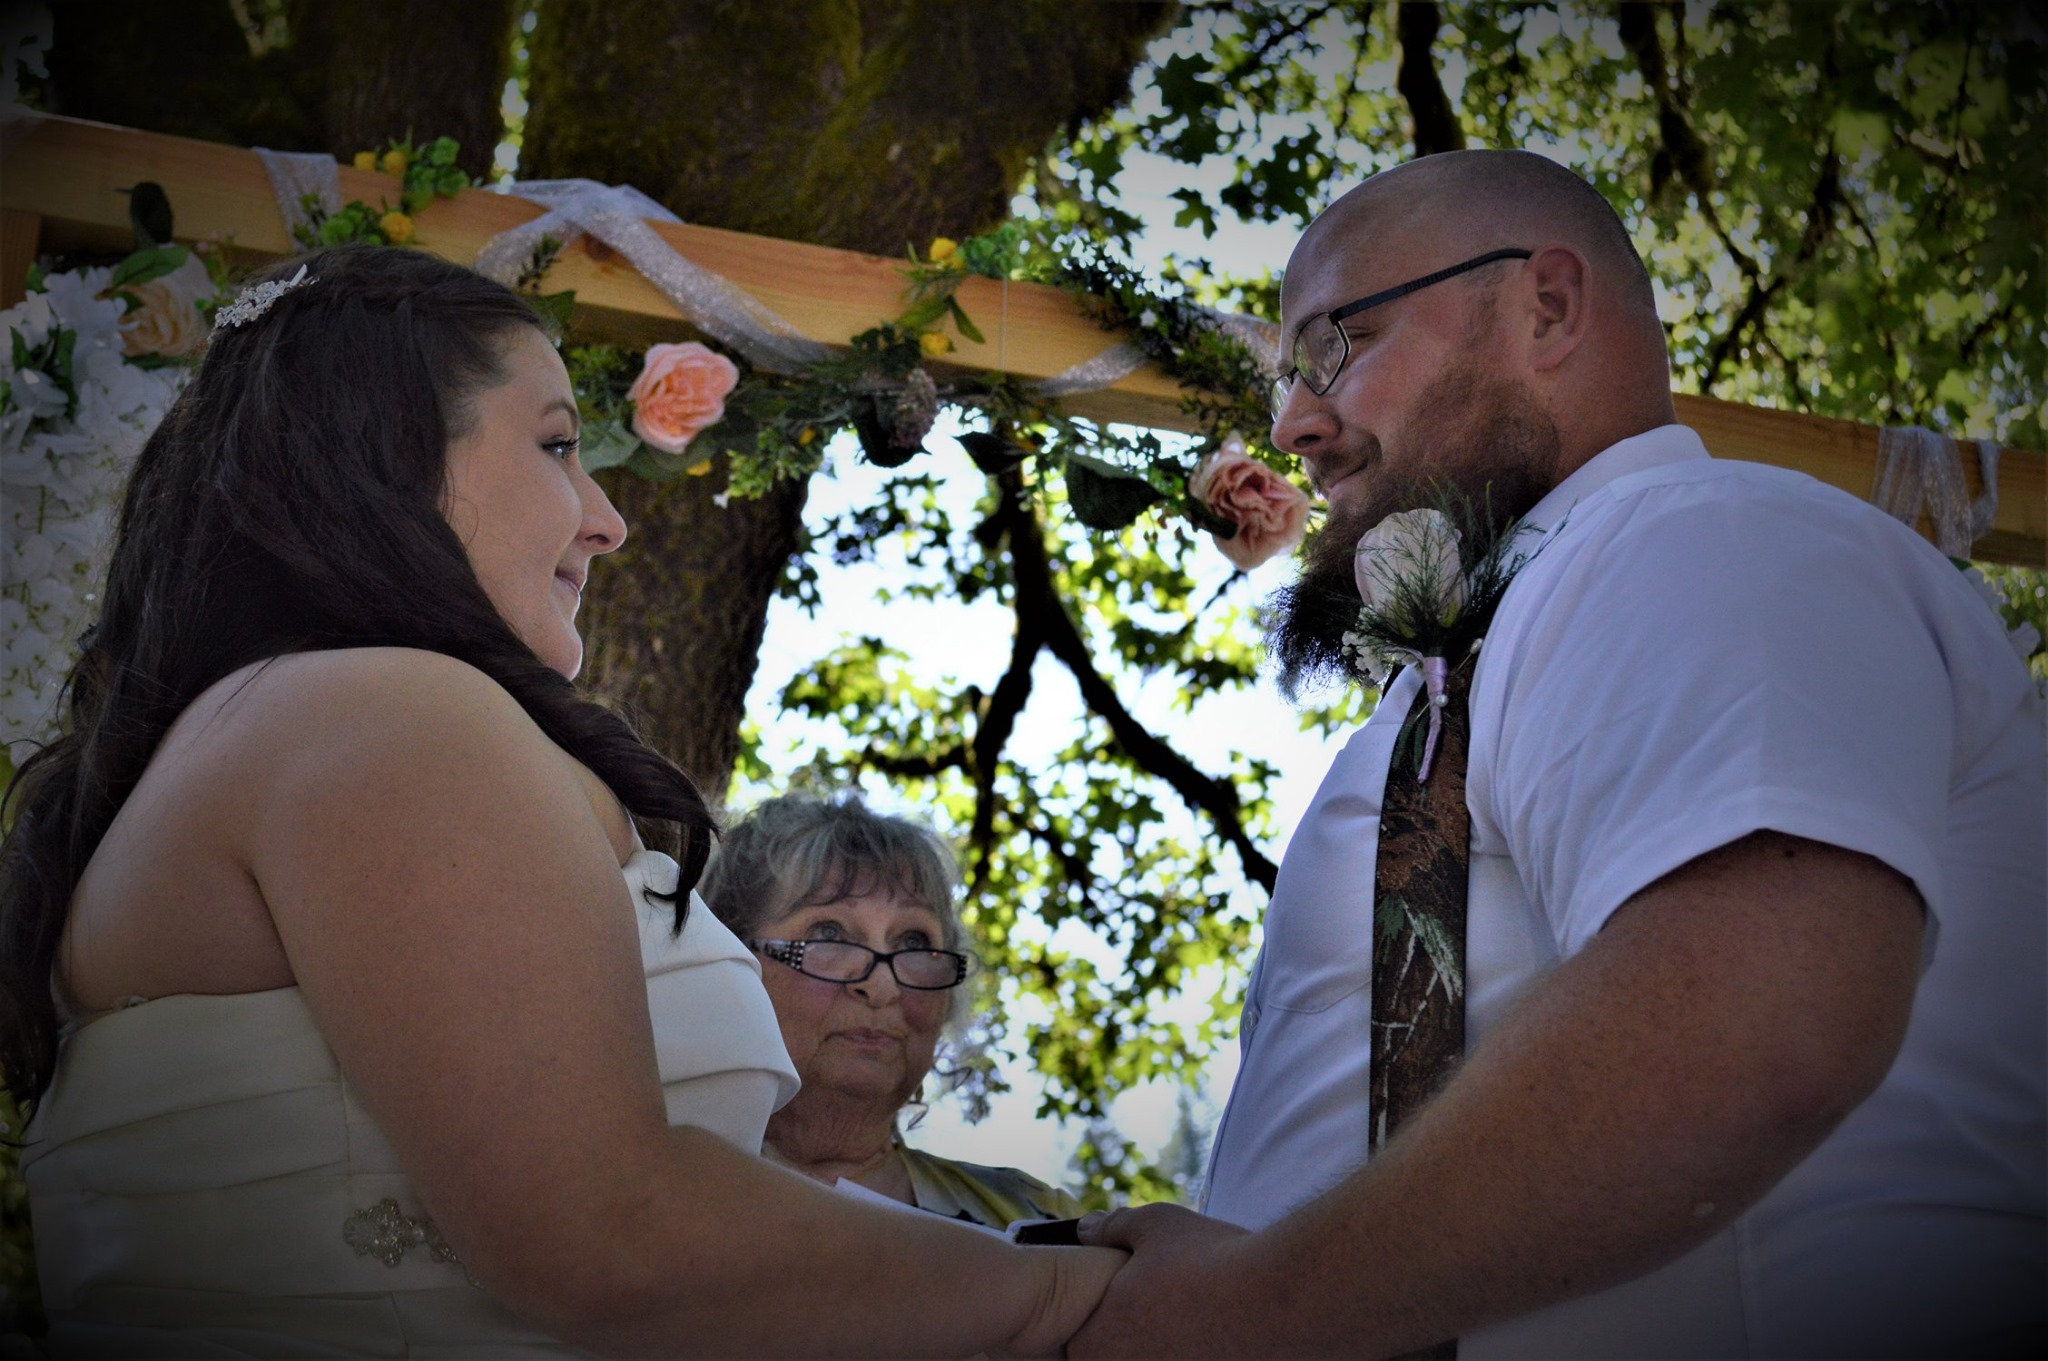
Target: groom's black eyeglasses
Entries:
(846, 961)
(1321, 345)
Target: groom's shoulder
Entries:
(1679, 516)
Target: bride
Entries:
(355, 1016)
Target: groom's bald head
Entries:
(1464, 203)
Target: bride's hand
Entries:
(1071, 1284)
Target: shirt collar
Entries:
(1652, 449)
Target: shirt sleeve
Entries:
(1702, 661)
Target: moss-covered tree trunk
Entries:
(865, 124)
(310, 75)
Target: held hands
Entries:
(1171, 1300)
(1071, 1282)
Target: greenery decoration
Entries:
(424, 173)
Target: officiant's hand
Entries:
(1169, 1299)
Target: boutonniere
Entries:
(1427, 593)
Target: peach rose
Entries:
(681, 390)
(168, 322)
(1268, 510)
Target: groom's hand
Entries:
(1168, 1299)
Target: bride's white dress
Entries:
(205, 1184)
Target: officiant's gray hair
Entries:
(799, 849)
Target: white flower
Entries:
(60, 476)
(1412, 551)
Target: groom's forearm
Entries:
(1652, 1088)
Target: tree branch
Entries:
(914, 767)
(1436, 123)
(1820, 225)
(992, 733)
(1037, 600)
(1682, 153)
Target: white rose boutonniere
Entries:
(1413, 550)
(1428, 580)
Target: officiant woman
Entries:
(375, 1028)
(856, 920)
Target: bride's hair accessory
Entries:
(252, 303)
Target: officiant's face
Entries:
(871, 1041)
(518, 498)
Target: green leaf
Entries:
(60, 365)
(1105, 496)
(1195, 211)
(35, 276)
(965, 327)
(655, 466)
(992, 453)
(606, 445)
(558, 308)
(924, 312)
(144, 265)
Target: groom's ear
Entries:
(1553, 299)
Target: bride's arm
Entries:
(453, 910)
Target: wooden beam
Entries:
(1844, 454)
(21, 235)
(68, 173)
(70, 170)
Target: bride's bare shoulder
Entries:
(345, 708)
(389, 734)
(347, 692)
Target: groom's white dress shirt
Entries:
(1702, 649)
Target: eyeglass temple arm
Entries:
(1352, 309)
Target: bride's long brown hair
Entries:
(291, 502)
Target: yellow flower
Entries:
(394, 163)
(807, 434)
(396, 226)
(366, 160)
(699, 468)
(933, 344)
(943, 248)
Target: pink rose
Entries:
(681, 391)
(1268, 510)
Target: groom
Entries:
(1753, 989)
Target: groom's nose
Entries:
(1304, 425)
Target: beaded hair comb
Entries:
(252, 303)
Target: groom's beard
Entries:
(1487, 446)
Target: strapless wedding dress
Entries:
(204, 1183)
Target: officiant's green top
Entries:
(995, 1196)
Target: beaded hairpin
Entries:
(252, 303)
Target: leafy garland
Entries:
(424, 173)
(776, 427)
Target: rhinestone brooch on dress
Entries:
(387, 1234)
(252, 303)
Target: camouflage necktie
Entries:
(1419, 893)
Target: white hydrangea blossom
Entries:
(61, 468)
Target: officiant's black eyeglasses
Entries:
(845, 961)
(1321, 345)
